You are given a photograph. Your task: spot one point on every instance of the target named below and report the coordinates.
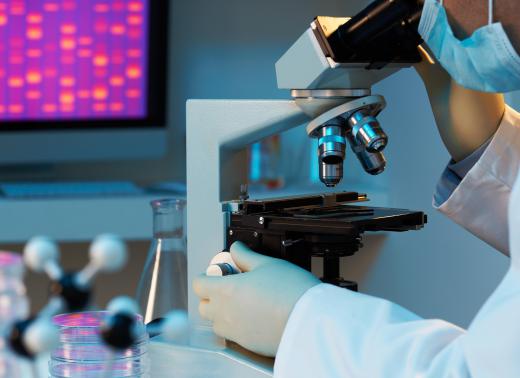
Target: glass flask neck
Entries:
(168, 218)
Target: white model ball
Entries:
(41, 336)
(38, 251)
(176, 326)
(123, 304)
(108, 252)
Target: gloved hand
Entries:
(252, 308)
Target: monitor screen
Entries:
(81, 63)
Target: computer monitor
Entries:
(82, 80)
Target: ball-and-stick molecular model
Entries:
(70, 291)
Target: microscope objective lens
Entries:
(331, 152)
(367, 130)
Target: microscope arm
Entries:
(218, 132)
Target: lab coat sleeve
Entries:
(454, 173)
(336, 333)
(479, 202)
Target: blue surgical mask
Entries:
(485, 61)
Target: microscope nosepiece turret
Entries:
(365, 136)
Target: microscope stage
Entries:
(323, 214)
(328, 226)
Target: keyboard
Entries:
(69, 189)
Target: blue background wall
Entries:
(218, 49)
(441, 271)
(227, 49)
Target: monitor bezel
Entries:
(158, 15)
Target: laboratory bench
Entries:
(205, 356)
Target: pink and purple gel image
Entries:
(73, 59)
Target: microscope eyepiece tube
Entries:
(331, 152)
(367, 131)
(385, 31)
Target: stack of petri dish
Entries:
(82, 353)
(14, 306)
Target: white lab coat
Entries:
(333, 332)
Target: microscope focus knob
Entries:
(222, 264)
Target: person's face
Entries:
(467, 15)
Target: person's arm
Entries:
(319, 330)
(465, 118)
(480, 133)
(333, 333)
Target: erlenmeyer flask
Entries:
(163, 284)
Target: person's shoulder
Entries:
(511, 117)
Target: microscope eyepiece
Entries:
(385, 31)
(367, 131)
(331, 152)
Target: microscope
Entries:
(330, 71)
